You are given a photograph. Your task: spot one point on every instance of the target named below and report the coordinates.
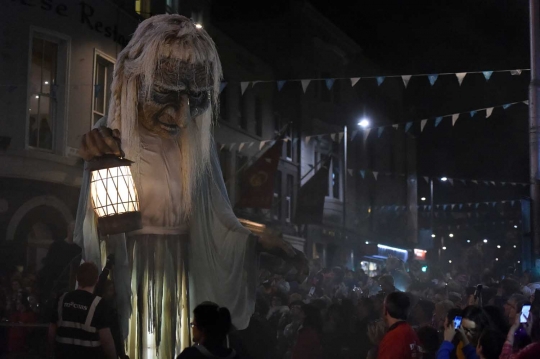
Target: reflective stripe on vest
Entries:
(82, 343)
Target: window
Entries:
(44, 91)
(103, 75)
(289, 143)
(289, 199)
(142, 7)
(276, 206)
(243, 111)
(258, 117)
(335, 178)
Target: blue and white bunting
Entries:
(329, 83)
(380, 131)
(222, 87)
(432, 78)
(280, 84)
(438, 121)
(408, 126)
(380, 80)
(487, 74)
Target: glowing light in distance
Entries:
(485, 240)
(367, 242)
(496, 259)
(433, 235)
(515, 246)
(46, 82)
(450, 235)
(515, 226)
(424, 269)
(198, 26)
(444, 179)
(392, 248)
(468, 241)
(444, 248)
(423, 198)
(449, 261)
(37, 96)
(498, 246)
(519, 261)
(363, 123)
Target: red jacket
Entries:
(400, 342)
(308, 345)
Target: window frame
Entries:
(112, 60)
(63, 63)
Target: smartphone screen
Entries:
(525, 313)
(457, 322)
(311, 291)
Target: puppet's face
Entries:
(180, 93)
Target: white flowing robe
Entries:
(169, 266)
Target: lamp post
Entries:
(114, 196)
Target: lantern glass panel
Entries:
(113, 191)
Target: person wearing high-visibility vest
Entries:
(80, 323)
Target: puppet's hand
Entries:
(100, 141)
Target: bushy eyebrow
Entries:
(176, 75)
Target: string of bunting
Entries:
(445, 206)
(432, 78)
(406, 127)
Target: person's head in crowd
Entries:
(474, 322)
(338, 275)
(295, 308)
(311, 317)
(261, 306)
(512, 307)
(211, 324)
(376, 331)
(417, 288)
(386, 282)
(490, 344)
(441, 311)
(278, 300)
(396, 308)
(429, 339)
(295, 297)
(497, 317)
(450, 316)
(365, 308)
(507, 287)
(530, 276)
(488, 294)
(455, 298)
(335, 314)
(422, 312)
(87, 276)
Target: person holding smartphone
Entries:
(532, 328)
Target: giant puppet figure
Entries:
(191, 247)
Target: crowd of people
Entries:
(401, 312)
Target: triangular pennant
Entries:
(433, 78)
(366, 133)
(363, 173)
(494, 204)
(460, 205)
(350, 172)
(222, 86)
(474, 181)
(426, 178)
(506, 106)
(380, 131)
(241, 146)
(221, 147)
(473, 113)
(512, 203)
(515, 72)
(261, 145)
(526, 102)
(422, 124)
(455, 118)
(477, 205)
(380, 80)
(451, 181)
(438, 120)
(333, 137)
(232, 146)
(503, 183)
(460, 76)
(354, 80)
(493, 183)
(489, 111)
(486, 183)
(244, 86)
(444, 207)
(251, 144)
(308, 138)
(280, 84)
(375, 174)
(463, 181)
(353, 134)
(396, 126)
(305, 84)
(340, 135)
(487, 74)
(408, 126)
(329, 83)
(406, 79)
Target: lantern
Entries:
(114, 196)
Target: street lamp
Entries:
(444, 248)
(451, 235)
(485, 240)
(423, 198)
(364, 123)
(444, 179)
(114, 196)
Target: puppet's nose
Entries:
(183, 114)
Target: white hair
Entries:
(135, 72)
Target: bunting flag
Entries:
(473, 113)
(333, 137)
(308, 138)
(350, 172)
(329, 83)
(341, 134)
(257, 182)
(422, 124)
(244, 86)
(380, 131)
(460, 76)
(241, 146)
(396, 126)
(406, 79)
(366, 134)
(432, 78)
(261, 145)
(363, 173)
(380, 80)
(305, 84)
(222, 86)
(506, 106)
(515, 72)
(408, 126)
(455, 118)
(489, 111)
(438, 121)
(451, 181)
(375, 174)
(353, 134)
(526, 102)
(280, 84)
(487, 74)
(354, 80)
(426, 178)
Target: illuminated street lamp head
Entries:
(364, 123)
(444, 248)
(515, 246)
(499, 246)
(451, 235)
(433, 236)
(449, 261)
(515, 226)
(468, 241)
(444, 179)
(485, 240)
(423, 198)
